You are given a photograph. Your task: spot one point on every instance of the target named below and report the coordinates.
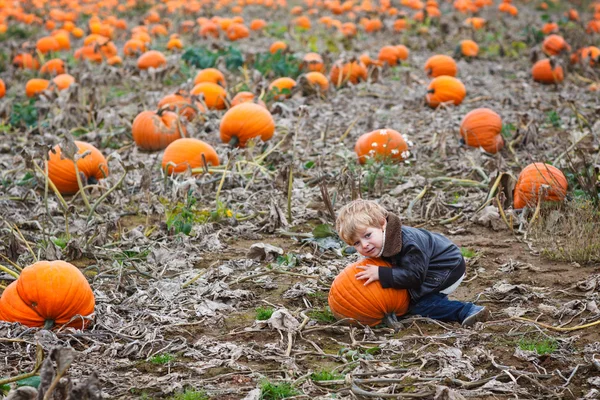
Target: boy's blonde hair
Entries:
(358, 215)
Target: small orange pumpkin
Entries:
(61, 171)
(282, 88)
(56, 66)
(155, 130)
(245, 97)
(2, 89)
(36, 86)
(439, 65)
(278, 46)
(26, 61)
(389, 55)
(180, 104)
(47, 44)
(368, 305)
(244, 122)
(353, 72)
(63, 81)
(554, 45)
(481, 128)
(531, 179)
(313, 62)
(214, 96)
(445, 89)
(48, 294)
(312, 82)
(210, 75)
(469, 48)
(237, 31)
(187, 153)
(151, 59)
(547, 72)
(381, 144)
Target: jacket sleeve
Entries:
(409, 274)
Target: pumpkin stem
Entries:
(92, 180)
(49, 324)
(431, 91)
(234, 141)
(392, 322)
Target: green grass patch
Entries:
(541, 346)
(466, 252)
(264, 313)
(275, 391)
(325, 375)
(323, 315)
(162, 359)
(190, 395)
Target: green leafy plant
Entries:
(289, 260)
(325, 375)
(190, 395)
(554, 119)
(541, 346)
(507, 130)
(264, 313)
(181, 218)
(162, 359)
(24, 114)
(466, 252)
(380, 170)
(276, 30)
(277, 65)
(275, 391)
(201, 57)
(61, 241)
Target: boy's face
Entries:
(368, 241)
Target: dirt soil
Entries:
(177, 312)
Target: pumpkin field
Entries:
(171, 173)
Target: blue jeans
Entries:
(438, 306)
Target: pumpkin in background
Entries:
(244, 97)
(155, 130)
(213, 95)
(278, 46)
(369, 305)
(134, 47)
(445, 89)
(63, 81)
(482, 128)
(237, 31)
(212, 75)
(547, 72)
(187, 153)
(174, 43)
(2, 89)
(554, 44)
(468, 48)
(403, 52)
(529, 185)
(313, 82)
(282, 88)
(48, 294)
(56, 66)
(25, 61)
(181, 104)
(61, 171)
(244, 122)
(36, 86)
(258, 24)
(47, 44)
(439, 65)
(353, 72)
(389, 55)
(151, 59)
(386, 144)
(313, 62)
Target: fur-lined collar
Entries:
(393, 236)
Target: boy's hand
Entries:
(370, 273)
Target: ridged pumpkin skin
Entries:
(481, 128)
(47, 293)
(530, 180)
(214, 96)
(350, 298)
(381, 143)
(440, 65)
(187, 153)
(445, 89)
(545, 72)
(152, 58)
(62, 171)
(244, 122)
(155, 130)
(212, 75)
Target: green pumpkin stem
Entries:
(49, 324)
(391, 321)
(234, 142)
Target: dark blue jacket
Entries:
(422, 262)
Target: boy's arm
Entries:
(409, 274)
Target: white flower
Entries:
(374, 144)
(384, 145)
(383, 132)
(395, 151)
(405, 154)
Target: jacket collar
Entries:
(393, 236)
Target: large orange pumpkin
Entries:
(445, 89)
(369, 305)
(244, 122)
(187, 153)
(61, 171)
(531, 179)
(155, 130)
(385, 144)
(48, 293)
(439, 65)
(481, 128)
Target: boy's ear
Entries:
(383, 223)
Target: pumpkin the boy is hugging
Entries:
(427, 264)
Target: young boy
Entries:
(428, 264)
